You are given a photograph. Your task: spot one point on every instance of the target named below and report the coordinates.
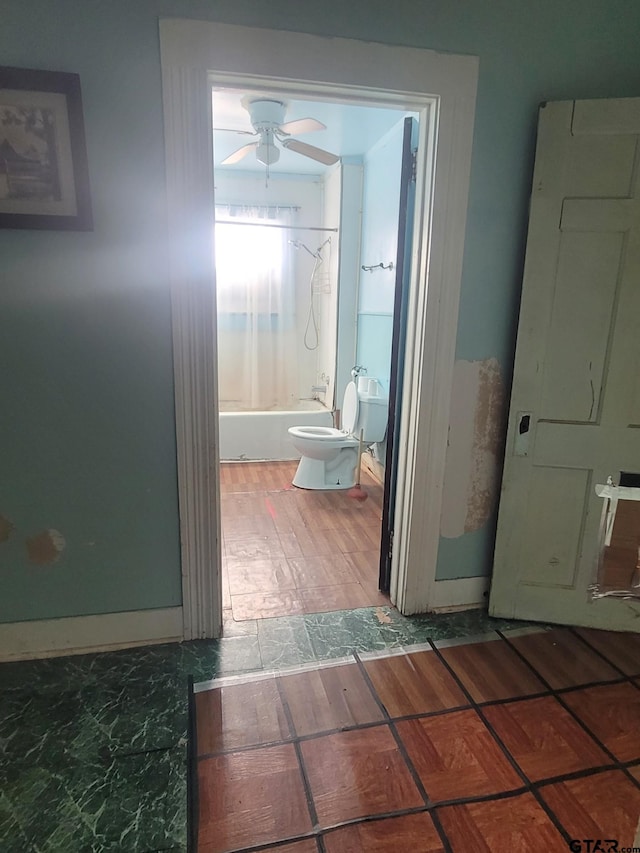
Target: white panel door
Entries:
(575, 405)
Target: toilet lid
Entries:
(350, 407)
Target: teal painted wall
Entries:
(374, 346)
(376, 289)
(87, 427)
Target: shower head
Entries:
(298, 245)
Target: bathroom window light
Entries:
(257, 344)
(246, 255)
(253, 270)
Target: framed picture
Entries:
(44, 179)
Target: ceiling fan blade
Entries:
(318, 154)
(302, 125)
(234, 130)
(238, 155)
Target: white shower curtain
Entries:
(257, 367)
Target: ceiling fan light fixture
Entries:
(265, 113)
(267, 117)
(267, 153)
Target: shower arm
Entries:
(298, 244)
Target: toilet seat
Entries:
(329, 456)
(324, 434)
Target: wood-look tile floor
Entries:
(289, 551)
(523, 741)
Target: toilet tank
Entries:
(372, 417)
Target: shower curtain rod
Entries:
(277, 225)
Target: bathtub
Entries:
(264, 435)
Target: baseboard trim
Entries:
(459, 594)
(74, 635)
(375, 468)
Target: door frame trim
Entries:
(402, 275)
(442, 87)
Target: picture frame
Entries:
(44, 175)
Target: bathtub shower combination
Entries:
(328, 456)
(266, 324)
(260, 369)
(264, 435)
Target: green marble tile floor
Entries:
(93, 747)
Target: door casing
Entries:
(195, 56)
(402, 273)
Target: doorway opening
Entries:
(312, 252)
(197, 56)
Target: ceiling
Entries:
(351, 130)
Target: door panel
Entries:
(577, 365)
(615, 158)
(550, 538)
(581, 326)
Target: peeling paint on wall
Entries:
(488, 445)
(476, 444)
(45, 547)
(6, 528)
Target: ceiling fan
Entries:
(267, 119)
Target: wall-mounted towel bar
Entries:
(379, 266)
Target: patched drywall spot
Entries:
(475, 451)
(6, 528)
(45, 547)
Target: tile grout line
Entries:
(577, 774)
(335, 731)
(267, 675)
(313, 814)
(270, 845)
(417, 781)
(252, 676)
(561, 691)
(604, 657)
(490, 703)
(530, 788)
(431, 807)
(547, 780)
(618, 764)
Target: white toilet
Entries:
(330, 456)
